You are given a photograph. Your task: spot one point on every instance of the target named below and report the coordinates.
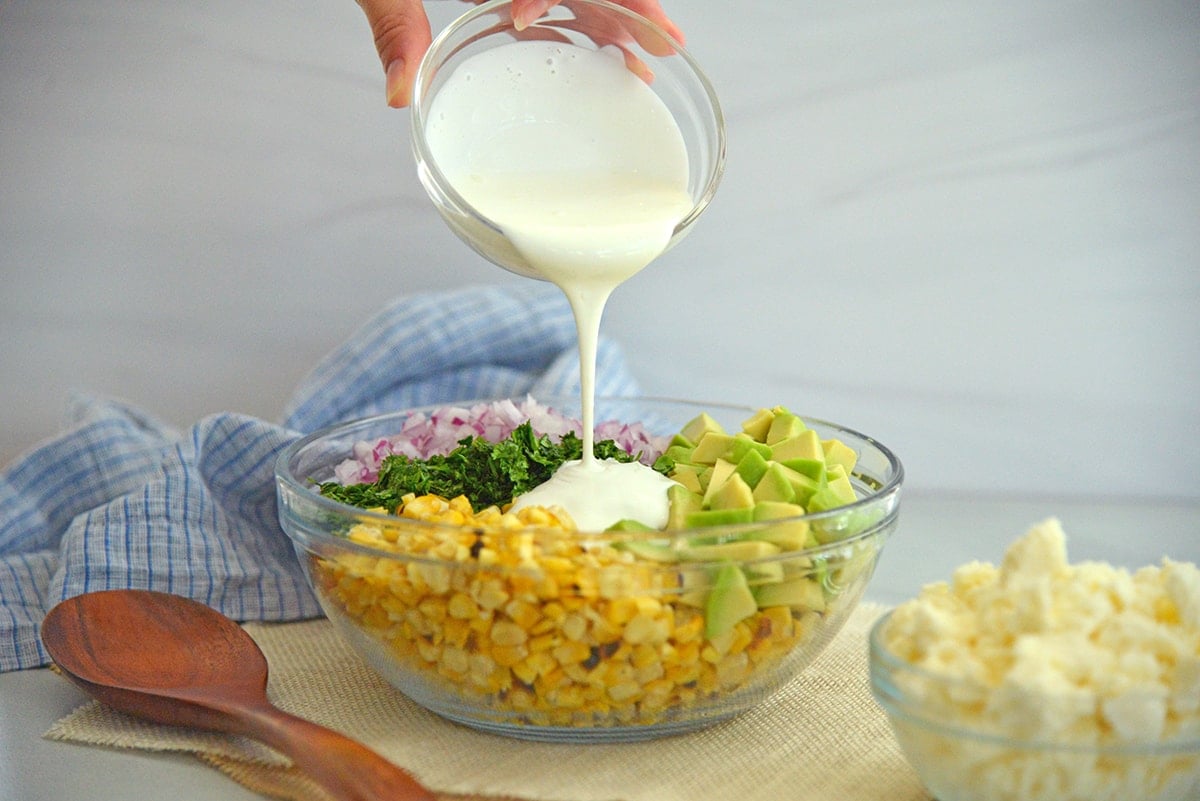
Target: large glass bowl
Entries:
(595, 636)
(592, 24)
(958, 760)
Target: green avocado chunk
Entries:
(700, 425)
(801, 593)
(785, 426)
(730, 602)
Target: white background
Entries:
(971, 230)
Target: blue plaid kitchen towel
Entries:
(121, 500)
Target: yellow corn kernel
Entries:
(455, 632)
(557, 564)
(543, 642)
(525, 671)
(424, 507)
(523, 614)
(742, 636)
(433, 608)
(689, 630)
(542, 662)
(657, 694)
(643, 655)
(462, 607)
(547, 588)
(646, 629)
(490, 594)
(571, 652)
(507, 633)
(733, 670)
(569, 697)
(649, 672)
(455, 660)
(510, 656)
(682, 675)
(574, 627)
(461, 505)
(779, 618)
(428, 651)
(521, 700)
(646, 605)
(624, 692)
(621, 610)
(576, 672)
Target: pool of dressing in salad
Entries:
(585, 171)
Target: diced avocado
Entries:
(805, 445)
(721, 472)
(751, 467)
(791, 535)
(710, 447)
(689, 476)
(801, 593)
(700, 425)
(759, 424)
(849, 571)
(838, 491)
(736, 551)
(776, 510)
(730, 602)
(735, 493)
(679, 453)
(760, 573)
(774, 485)
(681, 502)
(838, 452)
(680, 439)
(813, 468)
(785, 426)
(718, 517)
(630, 525)
(653, 551)
(803, 487)
(743, 444)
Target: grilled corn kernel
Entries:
(544, 626)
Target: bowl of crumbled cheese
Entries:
(1042, 679)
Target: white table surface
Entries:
(935, 535)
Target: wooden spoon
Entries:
(169, 659)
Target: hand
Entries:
(402, 35)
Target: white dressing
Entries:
(585, 171)
(598, 494)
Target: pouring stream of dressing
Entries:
(585, 171)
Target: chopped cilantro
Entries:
(487, 473)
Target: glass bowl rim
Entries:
(900, 706)
(419, 101)
(285, 478)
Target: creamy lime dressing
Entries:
(585, 171)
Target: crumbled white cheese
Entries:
(1041, 649)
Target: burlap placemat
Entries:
(821, 737)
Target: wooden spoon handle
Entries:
(347, 769)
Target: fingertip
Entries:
(398, 84)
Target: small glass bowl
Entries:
(963, 763)
(612, 645)
(592, 24)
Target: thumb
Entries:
(402, 36)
